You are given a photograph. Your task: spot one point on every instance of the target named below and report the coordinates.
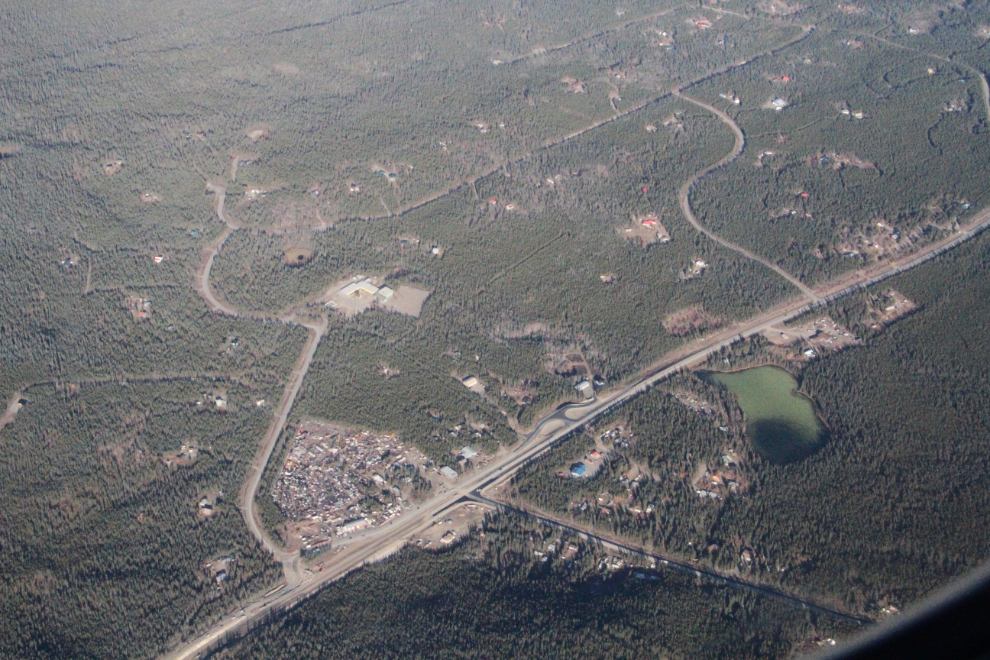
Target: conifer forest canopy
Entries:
(375, 329)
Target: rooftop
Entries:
(355, 288)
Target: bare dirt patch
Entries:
(645, 230)
(570, 362)
(185, 456)
(256, 132)
(293, 214)
(297, 256)
(696, 268)
(776, 103)
(889, 307)
(8, 149)
(878, 240)
(690, 320)
(690, 400)
(458, 524)
(574, 86)
(521, 394)
(240, 159)
(852, 10)
(812, 337)
(717, 483)
(408, 300)
(528, 330)
(779, 7)
(286, 68)
(851, 160)
(15, 404)
(140, 308)
(112, 165)
(148, 197)
(924, 19)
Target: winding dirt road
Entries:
(210, 252)
(684, 196)
(383, 541)
(246, 499)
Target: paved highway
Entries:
(385, 540)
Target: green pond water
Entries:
(780, 423)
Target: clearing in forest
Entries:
(15, 404)
(816, 336)
(690, 320)
(297, 256)
(257, 132)
(360, 293)
(645, 229)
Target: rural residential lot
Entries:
(622, 329)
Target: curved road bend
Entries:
(684, 195)
(210, 252)
(246, 499)
(382, 541)
(290, 563)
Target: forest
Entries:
(377, 135)
(879, 516)
(491, 597)
(105, 542)
(486, 300)
(871, 157)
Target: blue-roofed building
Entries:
(577, 470)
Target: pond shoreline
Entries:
(782, 423)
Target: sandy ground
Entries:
(12, 407)
(407, 300)
(456, 525)
(645, 235)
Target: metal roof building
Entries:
(355, 288)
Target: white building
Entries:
(356, 288)
(353, 526)
(585, 388)
(384, 294)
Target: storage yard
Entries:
(338, 480)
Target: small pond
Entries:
(781, 424)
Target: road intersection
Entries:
(381, 542)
